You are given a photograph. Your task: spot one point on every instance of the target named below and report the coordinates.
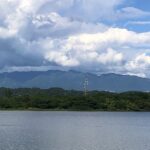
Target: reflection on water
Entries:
(74, 131)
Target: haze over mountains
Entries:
(74, 80)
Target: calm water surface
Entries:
(74, 131)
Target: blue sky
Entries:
(94, 36)
(138, 24)
(141, 4)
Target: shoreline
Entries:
(63, 110)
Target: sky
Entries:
(96, 36)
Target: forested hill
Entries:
(59, 99)
(74, 80)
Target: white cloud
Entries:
(143, 60)
(89, 51)
(131, 12)
(6, 33)
(137, 23)
(54, 25)
(113, 36)
(69, 34)
(61, 58)
(140, 64)
(111, 56)
(81, 9)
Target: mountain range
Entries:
(74, 80)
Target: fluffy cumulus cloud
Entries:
(140, 65)
(71, 34)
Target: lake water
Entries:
(21, 130)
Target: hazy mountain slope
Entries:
(74, 80)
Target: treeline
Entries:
(59, 99)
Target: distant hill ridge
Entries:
(74, 80)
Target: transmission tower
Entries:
(86, 82)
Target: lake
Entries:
(40, 130)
